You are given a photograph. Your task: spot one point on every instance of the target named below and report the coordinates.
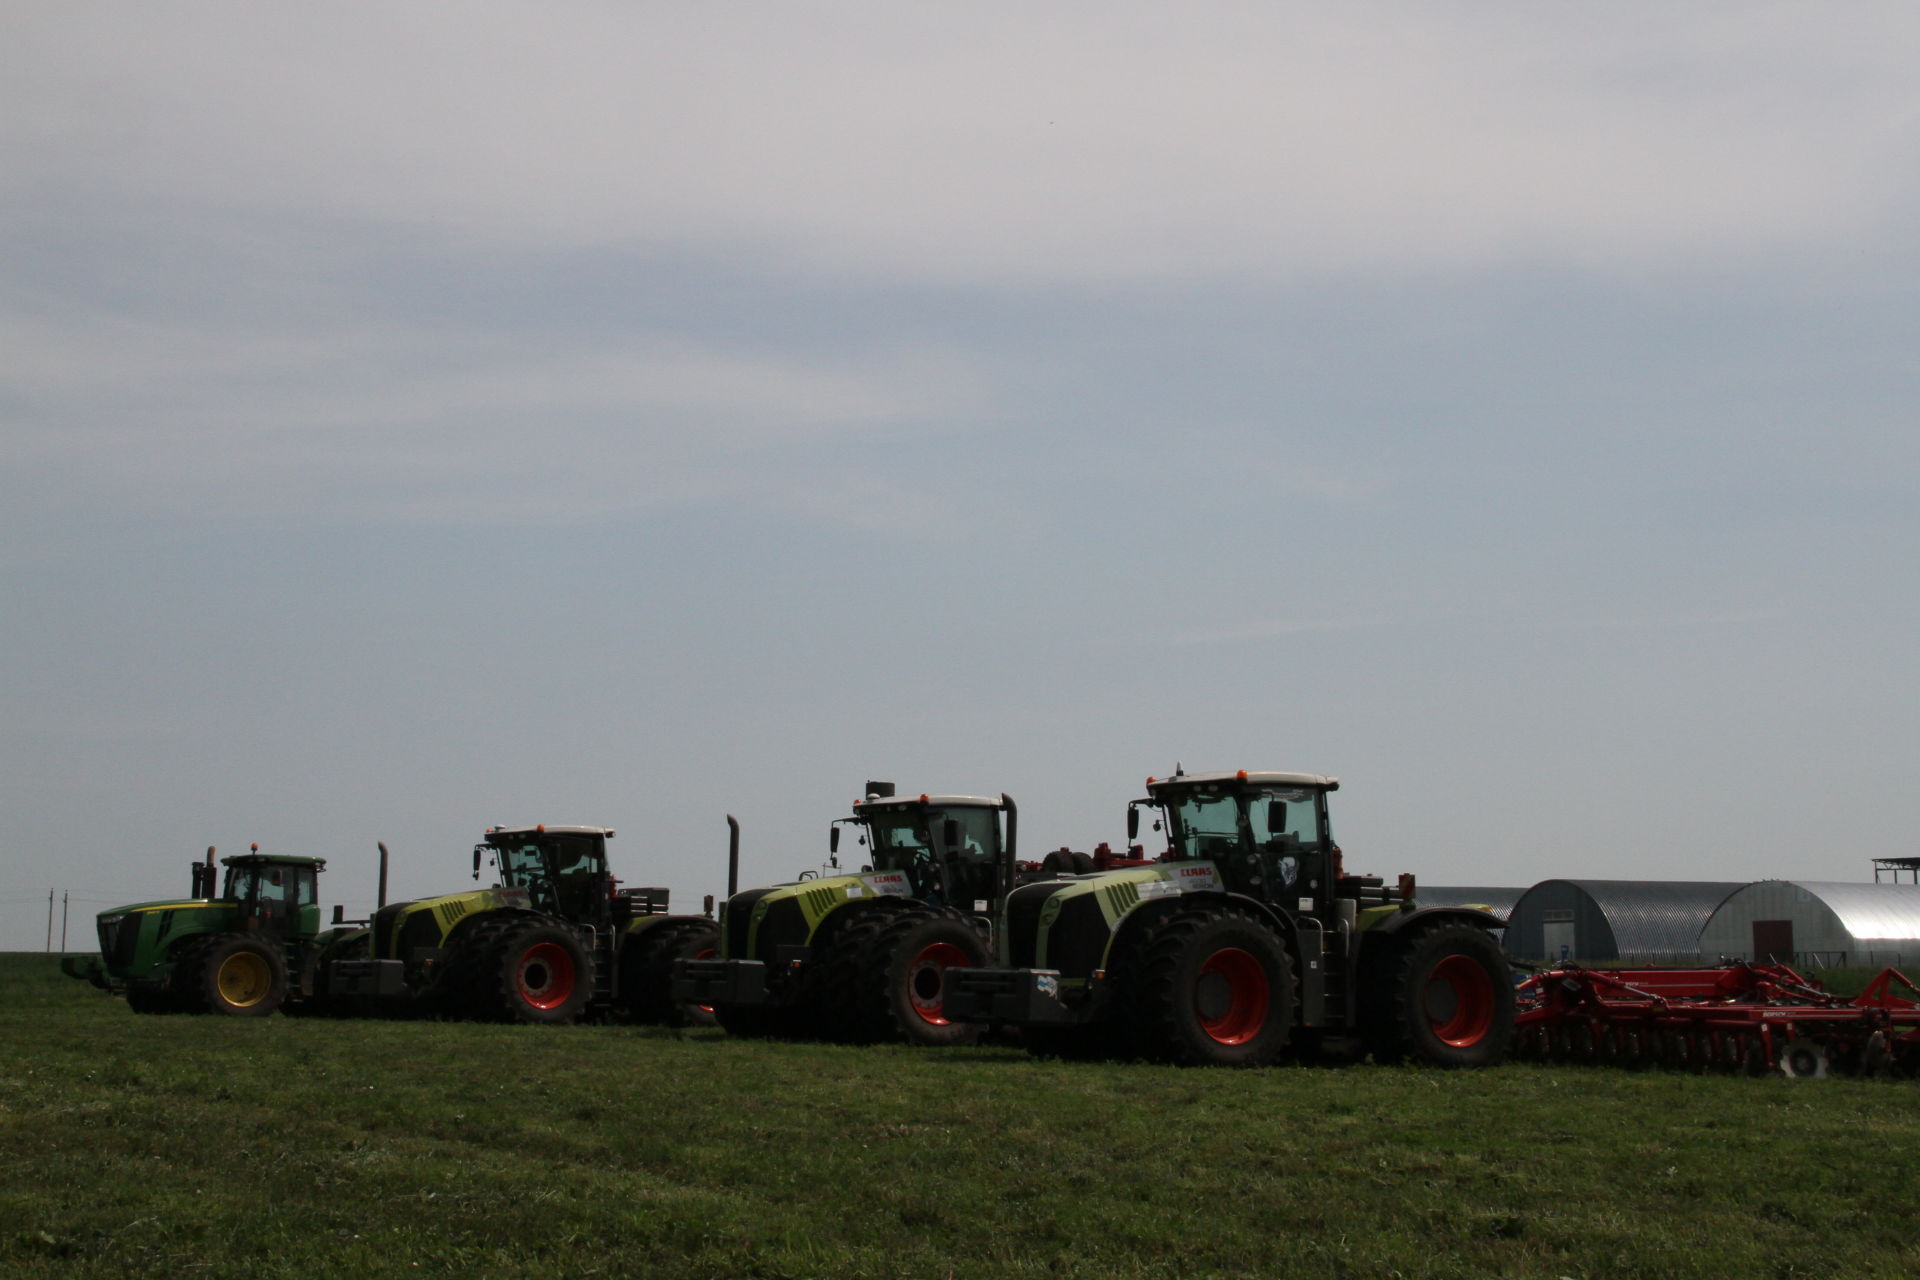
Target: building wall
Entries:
(1730, 933)
(1557, 913)
(1820, 936)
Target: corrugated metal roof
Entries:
(1500, 901)
(1869, 911)
(1654, 917)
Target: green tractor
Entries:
(252, 949)
(1248, 940)
(866, 956)
(555, 940)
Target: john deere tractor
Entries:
(245, 952)
(554, 940)
(1248, 939)
(866, 956)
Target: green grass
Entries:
(195, 1146)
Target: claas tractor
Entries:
(866, 956)
(1248, 940)
(553, 941)
(249, 949)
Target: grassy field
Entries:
(193, 1146)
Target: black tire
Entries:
(1061, 862)
(1214, 987)
(1082, 864)
(1443, 996)
(825, 1002)
(1092, 1042)
(899, 988)
(535, 971)
(233, 974)
(744, 1021)
(465, 983)
(646, 971)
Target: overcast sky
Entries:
(416, 418)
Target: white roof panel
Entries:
(1869, 911)
(1234, 775)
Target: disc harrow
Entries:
(1742, 1019)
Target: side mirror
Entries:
(1276, 817)
(833, 838)
(1133, 824)
(950, 832)
(476, 862)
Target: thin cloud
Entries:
(412, 423)
(1091, 143)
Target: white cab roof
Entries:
(1273, 779)
(551, 830)
(950, 802)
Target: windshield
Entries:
(274, 884)
(562, 873)
(1209, 823)
(903, 840)
(521, 865)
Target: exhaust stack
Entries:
(733, 856)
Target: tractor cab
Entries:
(1265, 834)
(950, 848)
(562, 869)
(276, 895)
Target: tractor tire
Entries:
(150, 1001)
(825, 1003)
(535, 971)
(646, 971)
(466, 984)
(233, 974)
(1443, 996)
(899, 990)
(1213, 986)
(1059, 863)
(1092, 1042)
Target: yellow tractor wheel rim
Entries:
(243, 979)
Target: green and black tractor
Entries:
(866, 956)
(554, 940)
(1248, 940)
(251, 949)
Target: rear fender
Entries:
(402, 928)
(1382, 929)
(805, 913)
(1136, 922)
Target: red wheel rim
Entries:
(927, 980)
(1459, 1001)
(1246, 995)
(546, 975)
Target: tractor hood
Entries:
(427, 922)
(1086, 909)
(164, 904)
(757, 920)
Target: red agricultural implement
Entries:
(1748, 1019)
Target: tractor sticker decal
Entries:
(892, 883)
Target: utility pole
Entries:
(50, 893)
(63, 920)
